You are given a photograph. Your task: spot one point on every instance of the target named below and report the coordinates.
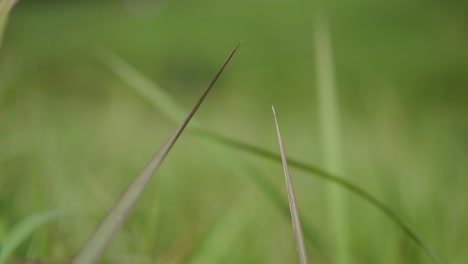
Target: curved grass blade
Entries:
(282, 206)
(315, 171)
(22, 231)
(94, 247)
(165, 103)
(296, 222)
(156, 96)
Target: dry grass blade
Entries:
(94, 247)
(157, 97)
(165, 104)
(296, 222)
(317, 172)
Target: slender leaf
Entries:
(329, 123)
(93, 249)
(150, 92)
(282, 205)
(315, 171)
(165, 103)
(296, 222)
(145, 87)
(22, 231)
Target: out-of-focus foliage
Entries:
(72, 134)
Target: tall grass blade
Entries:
(296, 222)
(164, 103)
(22, 231)
(150, 92)
(282, 206)
(94, 247)
(315, 171)
(330, 138)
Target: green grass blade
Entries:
(296, 222)
(145, 87)
(22, 231)
(151, 91)
(282, 206)
(164, 103)
(93, 249)
(330, 138)
(315, 171)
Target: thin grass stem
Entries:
(296, 222)
(95, 246)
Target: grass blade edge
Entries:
(317, 172)
(296, 222)
(95, 246)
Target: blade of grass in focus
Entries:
(22, 231)
(164, 103)
(283, 206)
(330, 138)
(315, 171)
(296, 221)
(156, 96)
(94, 247)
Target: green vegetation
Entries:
(163, 102)
(4, 13)
(74, 133)
(93, 249)
(22, 231)
(329, 123)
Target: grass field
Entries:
(74, 132)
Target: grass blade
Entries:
(22, 231)
(330, 138)
(145, 87)
(296, 222)
(150, 91)
(315, 171)
(164, 103)
(93, 249)
(282, 206)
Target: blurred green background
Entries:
(73, 133)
